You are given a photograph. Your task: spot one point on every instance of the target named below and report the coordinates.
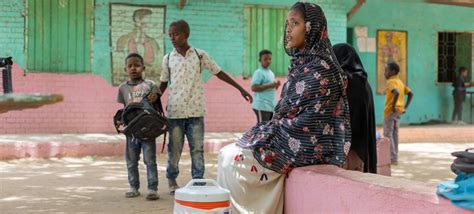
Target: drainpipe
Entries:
(181, 4)
(354, 9)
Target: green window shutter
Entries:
(59, 35)
(464, 52)
(264, 30)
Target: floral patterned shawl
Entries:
(311, 121)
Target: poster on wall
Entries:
(136, 29)
(391, 47)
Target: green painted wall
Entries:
(217, 26)
(422, 21)
(12, 29)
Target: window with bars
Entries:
(455, 50)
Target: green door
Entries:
(59, 35)
(264, 30)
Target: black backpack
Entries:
(142, 120)
(464, 161)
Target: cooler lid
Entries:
(202, 190)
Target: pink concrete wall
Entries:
(89, 105)
(383, 157)
(81, 148)
(329, 189)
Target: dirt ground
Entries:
(84, 185)
(98, 184)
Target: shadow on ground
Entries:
(84, 185)
(427, 162)
(98, 184)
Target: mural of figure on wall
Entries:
(138, 41)
(390, 51)
(391, 47)
(137, 29)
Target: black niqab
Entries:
(361, 106)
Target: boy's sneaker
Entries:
(152, 195)
(132, 193)
(173, 186)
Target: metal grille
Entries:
(454, 51)
(446, 56)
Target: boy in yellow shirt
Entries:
(394, 107)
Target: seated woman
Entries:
(363, 153)
(310, 125)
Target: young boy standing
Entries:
(182, 73)
(394, 107)
(132, 91)
(264, 85)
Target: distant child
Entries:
(394, 107)
(459, 94)
(133, 91)
(264, 85)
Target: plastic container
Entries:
(202, 196)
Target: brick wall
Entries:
(89, 105)
(89, 99)
(217, 26)
(12, 30)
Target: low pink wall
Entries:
(90, 103)
(59, 150)
(329, 189)
(383, 157)
(10, 151)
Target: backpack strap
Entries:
(168, 65)
(157, 105)
(164, 143)
(168, 62)
(127, 108)
(200, 57)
